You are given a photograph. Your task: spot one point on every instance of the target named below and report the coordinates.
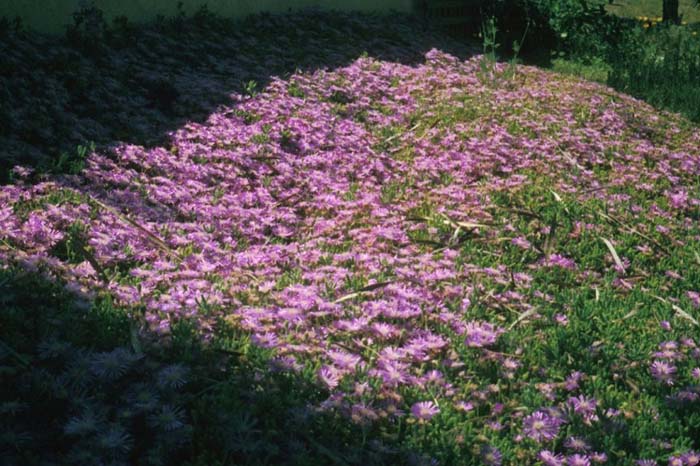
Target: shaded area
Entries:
(79, 385)
(107, 84)
(105, 391)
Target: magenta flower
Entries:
(491, 456)
(678, 200)
(494, 425)
(22, 172)
(521, 242)
(572, 381)
(424, 410)
(392, 373)
(344, 360)
(576, 444)
(663, 371)
(691, 458)
(329, 376)
(464, 406)
(362, 414)
(466, 303)
(694, 297)
(540, 427)
(549, 458)
(557, 260)
(578, 460)
(480, 334)
(582, 405)
(688, 342)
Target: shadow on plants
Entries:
(573, 28)
(114, 83)
(105, 391)
(81, 385)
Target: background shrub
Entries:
(577, 28)
(661, 65)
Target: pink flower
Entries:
(22, 172)
(344, 360)
(491, 456)
(557, 260)
(549, 458)
(678, 200)
(424, 410)
(576, 444)
(572, 381)
(663, 371)
(480, 334)
(521, 242)
(539, 426)
(582, 405)
(329, 376)
(464, 406)
(691, 458)
(694, 297)
(578, 460)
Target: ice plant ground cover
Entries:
(473, 263)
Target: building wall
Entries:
(53, 15)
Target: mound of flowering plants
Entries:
(485, 265)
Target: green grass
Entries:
(651, 61)
(660, 65)
(652, 9)
(596, 71)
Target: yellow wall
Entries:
(54, 15)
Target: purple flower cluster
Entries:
(675, 364)
(324, 223)
(540, 426)
(689, 458)
(480, 334)
(424, 410)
